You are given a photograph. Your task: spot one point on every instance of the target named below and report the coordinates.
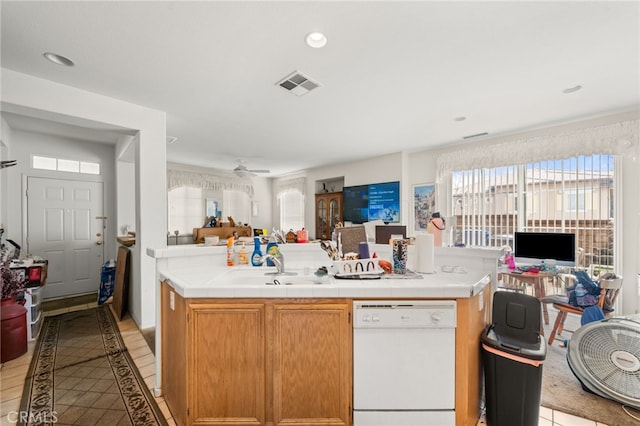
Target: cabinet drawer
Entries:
(33, 296)
(34, 312)
(34, 328)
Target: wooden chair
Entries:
(609, 289)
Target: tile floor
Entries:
(12, 375)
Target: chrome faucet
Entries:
(277, 260)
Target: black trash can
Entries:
(512, 352)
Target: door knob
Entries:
(99, 243)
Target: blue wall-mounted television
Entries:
(364, 203)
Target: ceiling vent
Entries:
(298, 83)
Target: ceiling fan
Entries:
(242, 171)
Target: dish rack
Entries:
(356, 268)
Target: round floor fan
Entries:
(605, 357)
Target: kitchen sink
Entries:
(281, 274)
(258, 276)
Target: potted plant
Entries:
(13, 283)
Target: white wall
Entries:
(126, 187)
(264, 197)
(386, 168)
(43, 97)
(5, 154)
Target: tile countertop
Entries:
(197, 271)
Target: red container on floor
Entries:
(14, 330)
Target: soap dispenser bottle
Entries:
(256, 256)
(243, 256)
(272, 248)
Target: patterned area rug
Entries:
(81, 374)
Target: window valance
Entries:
(288, 185)
(215, 182)
(616, 139)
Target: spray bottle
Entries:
(230, 252)
(256, 256)
(272, 248)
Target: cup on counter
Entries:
(399, 256)
(211, 240)
(363, 250)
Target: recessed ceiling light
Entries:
(59, 59)
(461, 118)
(316, 40)
(572, 89)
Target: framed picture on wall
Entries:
(424, 203)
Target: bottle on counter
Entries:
(256, 256)
(272, 248)
(231, 254)
(243, 256)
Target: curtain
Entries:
(216, 182)
(617, 139)
(288, 185)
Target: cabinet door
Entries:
(312, 364)
(335, 212)
(227, 364)
(321, 218)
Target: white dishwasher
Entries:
(404, 363)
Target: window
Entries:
(189, 207)
(574, 200)
(571, 195)
(63, 165)
(185, 209)
(291, 211)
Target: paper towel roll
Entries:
(425, 244)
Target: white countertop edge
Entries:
(358, 289)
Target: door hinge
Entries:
(349, 318)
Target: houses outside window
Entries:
(573, 195)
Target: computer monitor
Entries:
(531, 248)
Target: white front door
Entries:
(65, 226)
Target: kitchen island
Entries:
(232, 349)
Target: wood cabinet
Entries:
(328, 213)
(311, 363)
(226, 364)
(256, 361)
